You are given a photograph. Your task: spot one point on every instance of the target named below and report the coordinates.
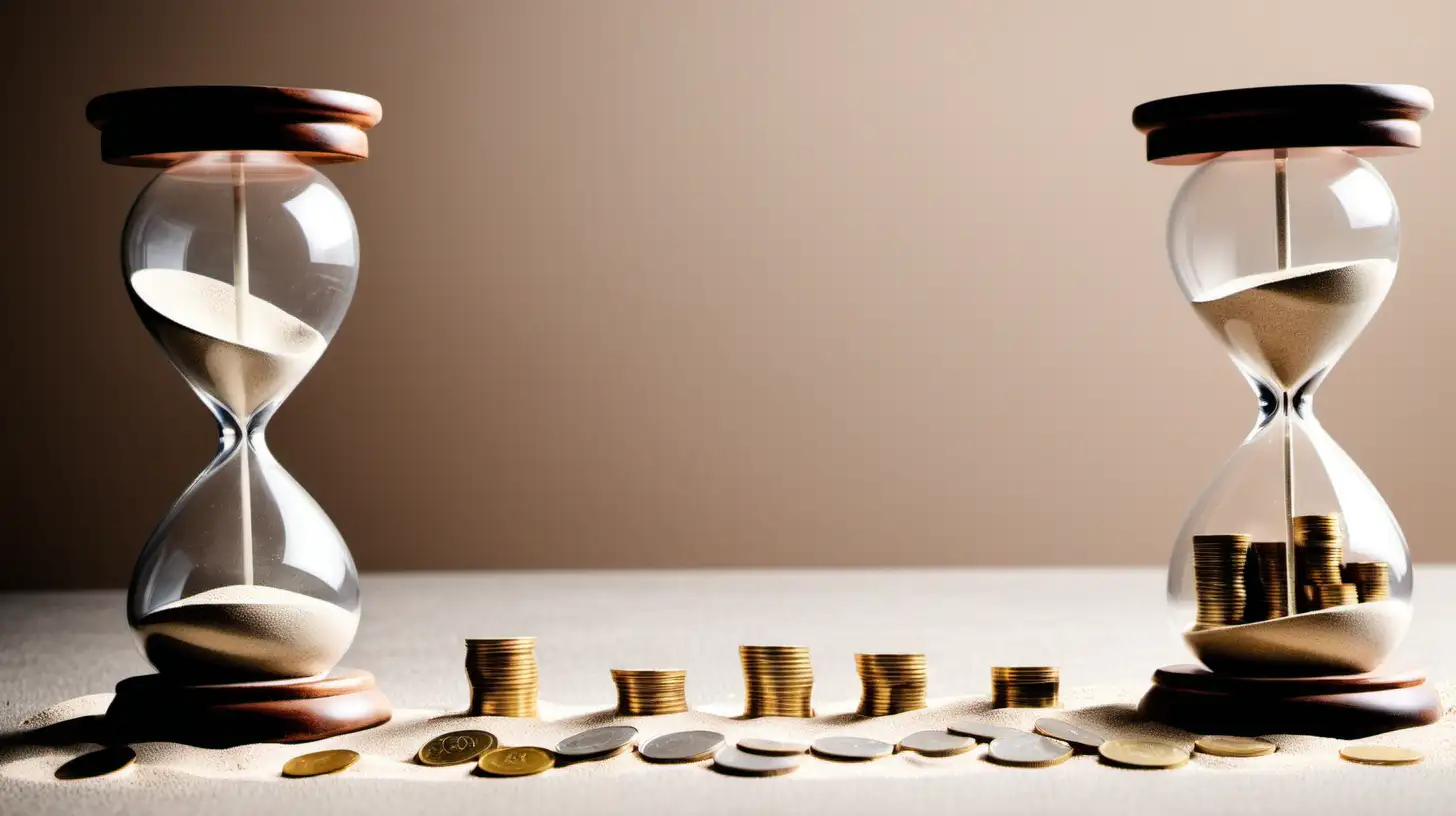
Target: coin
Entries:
(1082, 739)
(983, 731)
(522, 761)
(892, 683)
(456, 748)
(851, 749)
(1380, 755)
(97, 763)
(1234, 746)
(743, 763)
(937, 743)
(1025, 686)
(1134, 753)
(778, 681)
(648, 692)
(503, 675)
(319, 763)
(598, 743)
(682, 746)
(1028, 751)
(768, 747)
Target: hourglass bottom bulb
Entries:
(1340, 640)
(243, 633)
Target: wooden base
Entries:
(1346, 707)
(151, 707)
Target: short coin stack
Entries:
(503, 676)
(778, 681)
(1270, 562)
(1025, 686)
(647, 692)
(1218, 578)
(1319, 551)
(892, 683)
(1371, 579)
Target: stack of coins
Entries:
(892, 683)
(778, 681)
(1218, 577)
(1329, 596)
(1371, 580)
(645, 692)
(1271, 561)
(1319, 552)
(1025, 686)
(503, 676)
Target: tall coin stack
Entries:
(1371, 579)
(503, 676)
(1218, 578)
(892, 683)
(1319, 551)
(778, 681)
(1025, 686)
(646, 692)
(1270, 563)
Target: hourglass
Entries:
(1290, 580)
(240, 259)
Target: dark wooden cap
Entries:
(157, 127)
(1363, 119)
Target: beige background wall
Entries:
(710, 283)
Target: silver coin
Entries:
(682, 746)
(1082, 739)
(851, 749)
(937, 743)
(983, 731)
(598, 743)
(768, 747)
(1030, 750)
(742, 763)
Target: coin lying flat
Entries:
(851, 749)
(97, 763)
(1134, 753)
(1234, 746)
(1380, 755)
(937, 743)
(598, 743)
(456, 748)
(1028, 751)
(522, 761)
(983, 731)
(319, 763)
(682, 746)
(768, 747)
(742, 763)
(1081, 739)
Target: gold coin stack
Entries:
(503, 676)
(647, 692)
(1218, 578)
(1371, 580)
(778, 681)
(892, 683)
(1329, 596)
(1319, 552)
(1272, 570)
(1025, 686)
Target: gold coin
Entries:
(1234, 746)
(1380, 755)
(319, 763)
(97, 763)
(1133, 753)
(516, 761)
(456, 748)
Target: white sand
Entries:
(236, 633)
(1289, 324)
(1343, 639)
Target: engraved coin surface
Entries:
(1234, 746)
(456, 748)
(1151, 754)
(983, 731)
(742, 763)
(937, 743)
(1082, 739)
(851, 749)
(682, 746)
(1029, 751)
(1381, 755)
(97, 763)
(769, 747)
(319, 763)
(522, 761)
(598, 743)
